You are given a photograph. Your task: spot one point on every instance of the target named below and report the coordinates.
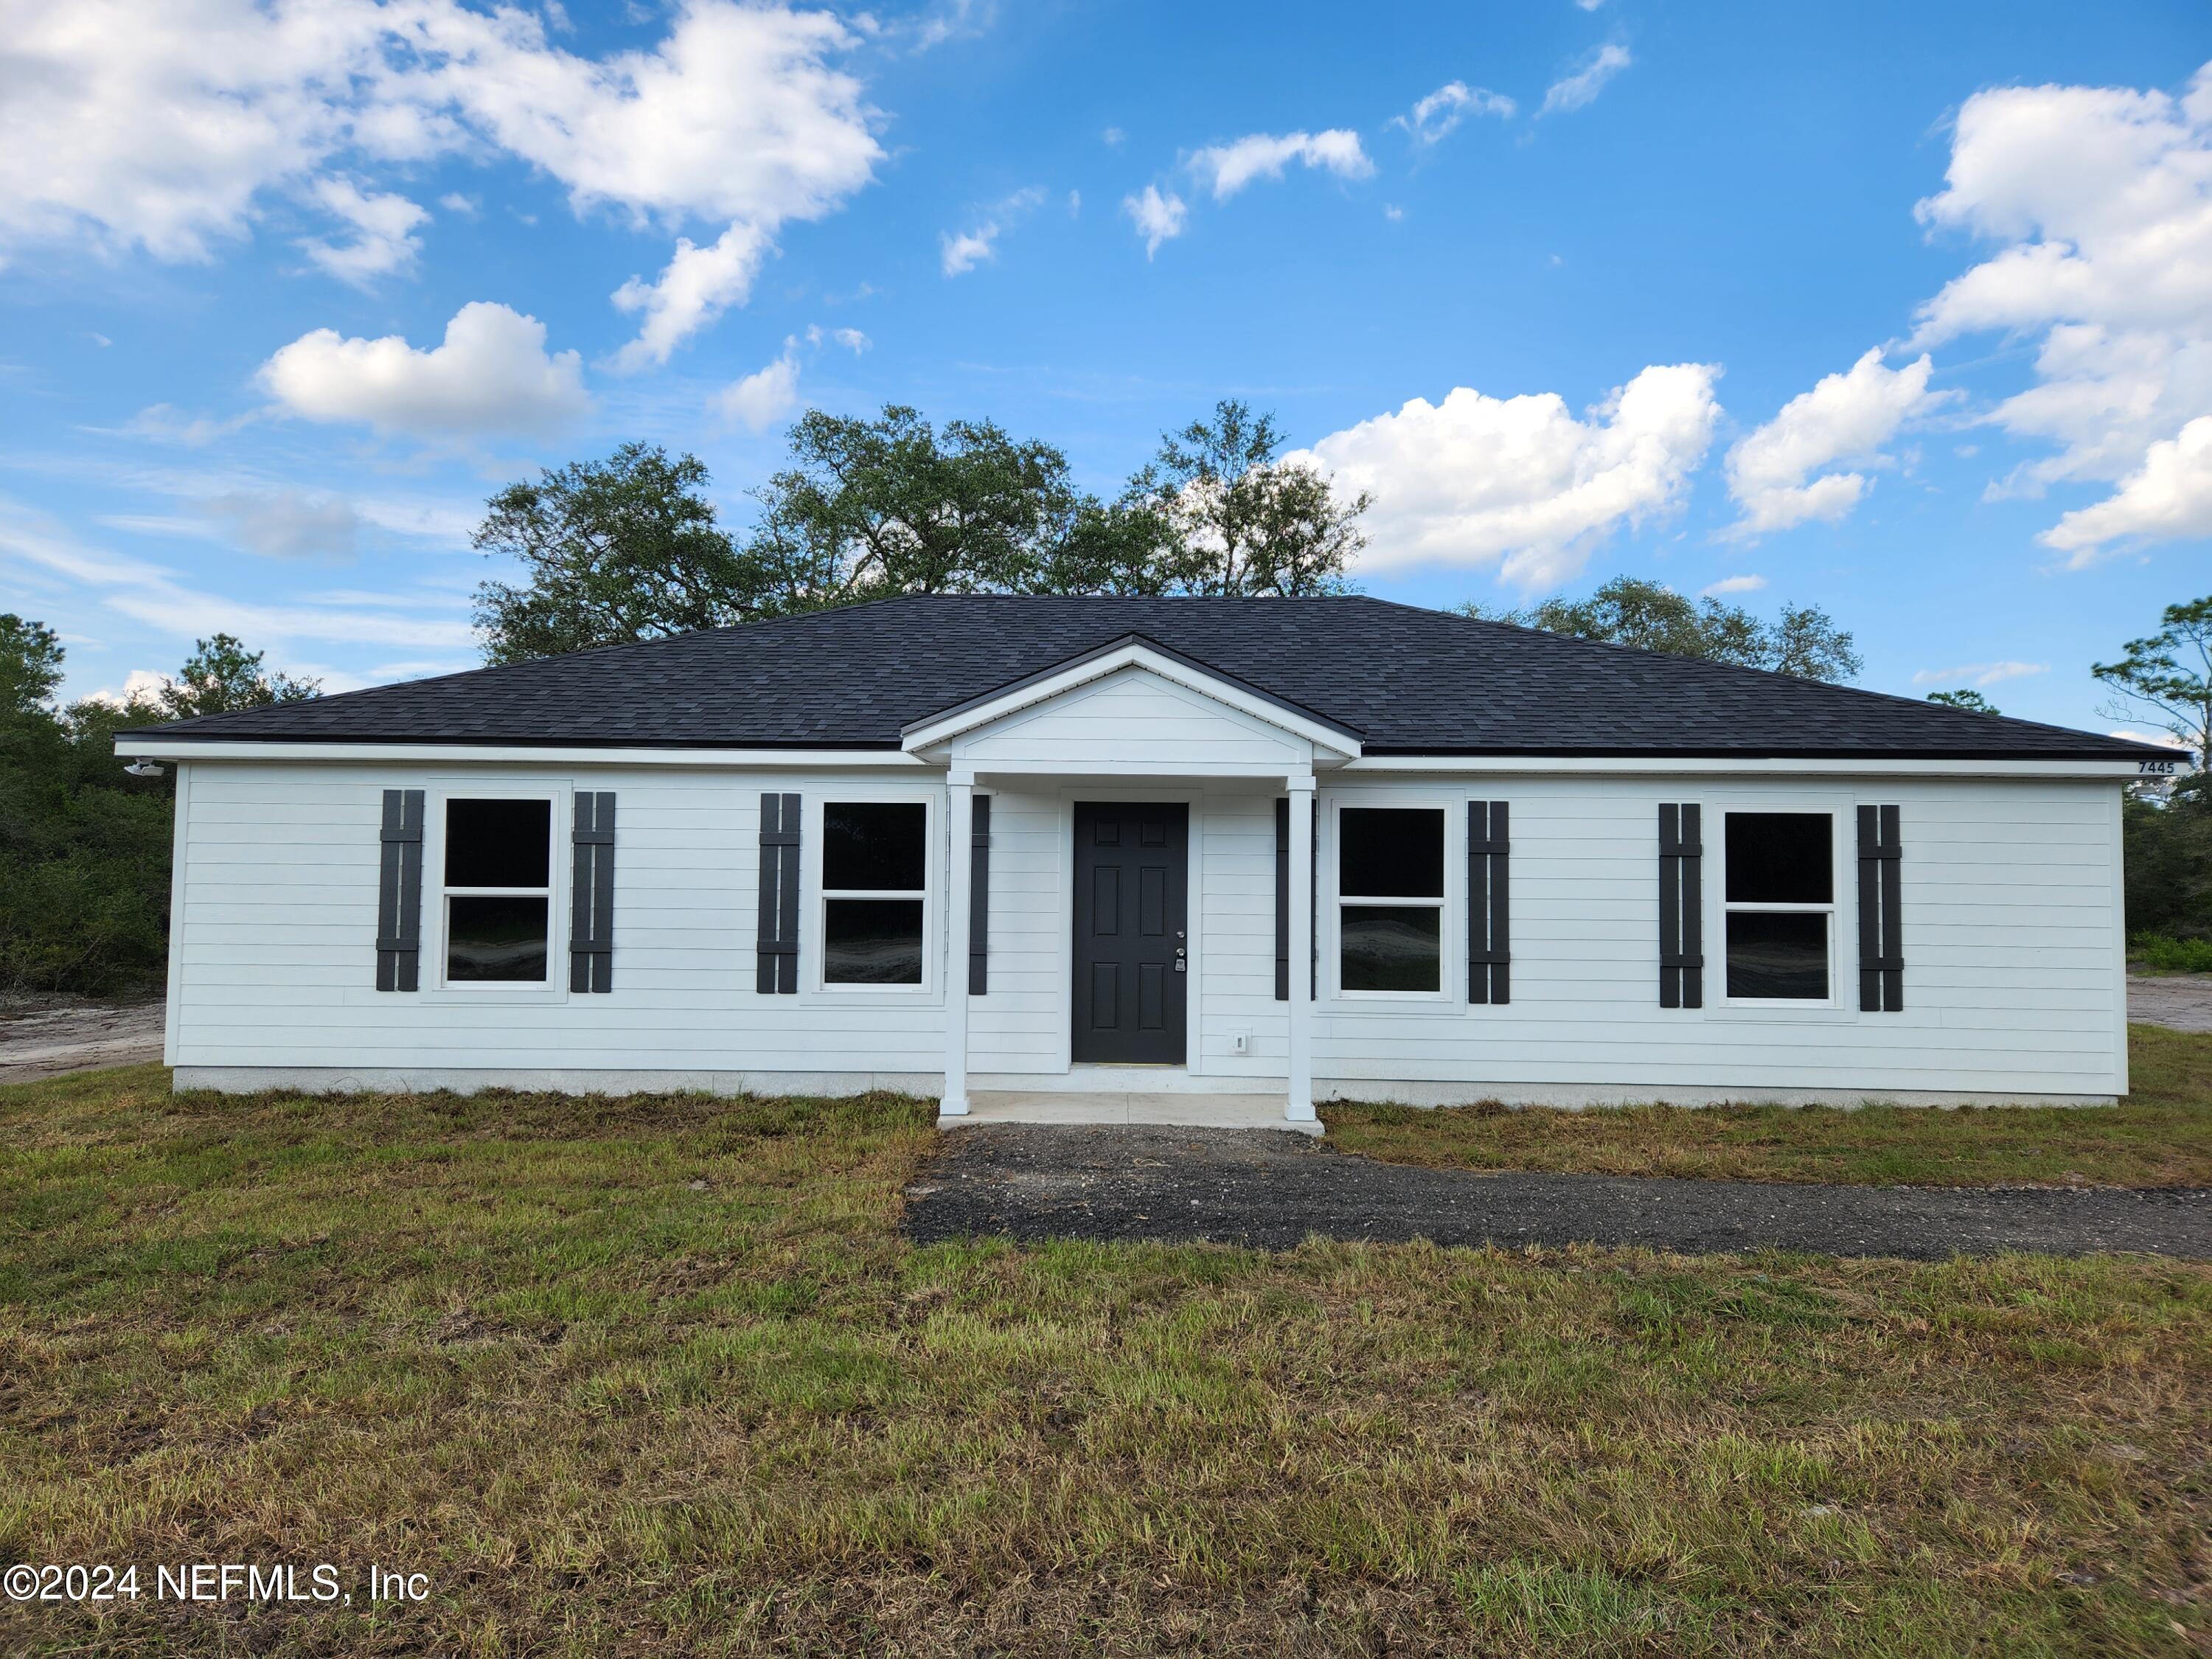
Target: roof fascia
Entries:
(1903, 766)
(460, 753)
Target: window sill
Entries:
(494, 994)
(1428, 1004)
(1783, 1013)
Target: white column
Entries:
(960, 830)
(1300, 1109)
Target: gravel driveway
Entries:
(2183, 1001)
(1270, 1189)
(54, 1038)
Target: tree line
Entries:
(631, 548)
(85, 847)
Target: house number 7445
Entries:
(2156, 768)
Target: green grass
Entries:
(660, 1376)
(2172, 956)
(2161, 1136)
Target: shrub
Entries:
(2177, 956)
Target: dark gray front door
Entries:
(1131, 879)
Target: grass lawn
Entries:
(2162, 1137)
(659, 1376)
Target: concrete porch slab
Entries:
(1118, 1106)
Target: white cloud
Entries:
(956, 19)
(151, 594)
(383, 240)
(1846, 417)
(1227, 169)
(167, 423)
(139, 685)
(961, 252)
(491, 375)
(284, 524)
(1572, 92)
(2164, 740)
(1450, 104)
(1520, 482)
(1980, 673)
(851, 339)
(467, 206)
(957, 255)
(1158, 218)
(1732, 585)
(2102, 198)
(1112, 137)
(764, 397)
(2169, 496)
(698, 285)
(164, 124)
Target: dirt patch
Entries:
(1272, 1190)
(55, 1036)
(2181, 1002)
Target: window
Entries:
(1390, 899)
(1780, 900)
(874, 857)
(498, 891)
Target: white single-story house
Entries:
(1311, 848)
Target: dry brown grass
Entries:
(660, 1376)
(2161, 1137)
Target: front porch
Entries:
(1122, 1106)
(1132, 755)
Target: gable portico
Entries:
(1132, 720)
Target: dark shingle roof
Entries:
(1408, 681)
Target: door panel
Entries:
(1131, 925)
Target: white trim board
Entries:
(523, 754)
(181, 750)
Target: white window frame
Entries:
(1446, 990)
(932, 858)
(1833, 909)
(556, 983)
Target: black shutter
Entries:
(979, 900)
(1881, 948)
(777, 946)
(1681, 907)
(399, 893)
(592, 906)
(1489, 909)
(1282, 899)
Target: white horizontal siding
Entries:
(2011, 944)
(1134, 716)
(2012, 936)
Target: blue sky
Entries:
(1903, 310)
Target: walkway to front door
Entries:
(1131, 947)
